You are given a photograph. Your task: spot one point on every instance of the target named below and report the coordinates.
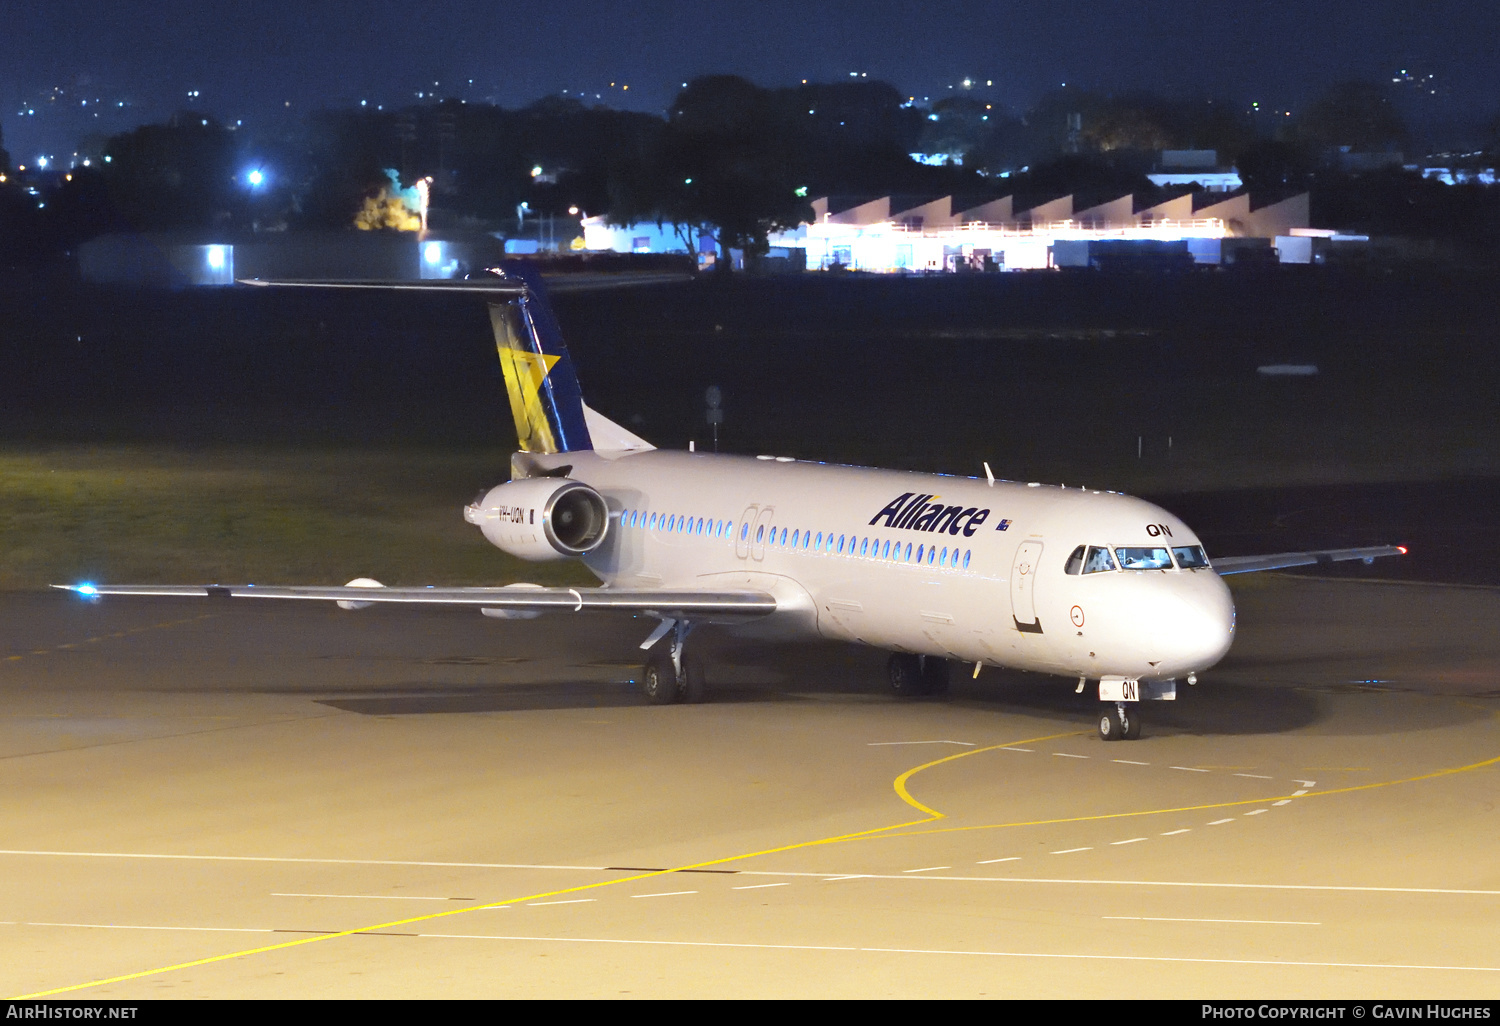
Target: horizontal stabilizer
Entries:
(608, 436)
(1282, 560)
(493, 286)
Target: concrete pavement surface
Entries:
(235, 799)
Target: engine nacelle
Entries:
(541, 518)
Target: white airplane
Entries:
(938, 570)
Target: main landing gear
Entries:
(1119, 721)
(913, 675)
(671, 675)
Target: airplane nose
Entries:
(1199, 625)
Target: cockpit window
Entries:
(1098, 561)
(1075, 562)
(1190, 557)
(1143, 559)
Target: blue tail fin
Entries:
(545, 399)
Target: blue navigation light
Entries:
(433, 252)
(87, 590)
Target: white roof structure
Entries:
(932, 236)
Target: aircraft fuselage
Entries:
(919, 563)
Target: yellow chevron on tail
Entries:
(525, 372)
(524, 375)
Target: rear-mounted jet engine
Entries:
(542, 518)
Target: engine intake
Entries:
(542, 518)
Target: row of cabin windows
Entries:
(806, 541)
(675, 523)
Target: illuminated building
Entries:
(870, 236)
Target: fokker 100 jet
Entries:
(938, 570)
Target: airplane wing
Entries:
(1226, 565)
(703, 606)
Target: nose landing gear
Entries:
(1119, 722)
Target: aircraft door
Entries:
(758, 533)
(742, 533)
(1023, 587)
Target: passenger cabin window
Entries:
(1190, 557)
(1143, 559)
(1074, 565)
(1098, 561)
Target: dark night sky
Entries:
(249, 58)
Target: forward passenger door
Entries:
(1023, 587)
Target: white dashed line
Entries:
(1253, 776)
(1221, 822)
(850, 876)
(571, 901)
(1188, 769)
(1298, 794)
(926, 869)
(879, 744)
(829, 947)
(1130, 762)
(1163, 918)
(398, 897)
(1008, 748)
(188, 929)
(1308, 783)
(1173, 833)
(757, 887)
(991, 862)
(1131, 841)
(663, 894)
(274, 858)
(1284, 801)
(1069, 755)
(1256, 812)
(1069, 851)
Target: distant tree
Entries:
(1393, 201)
(847, 116)
(1137, 121)
(1089, 174)
(342, 159)
(1219, 125)
(175, 175)
(1274, 165)
(1357, 115)
(721, 161)
(80, 208)
(959, 126)
(21, 227)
